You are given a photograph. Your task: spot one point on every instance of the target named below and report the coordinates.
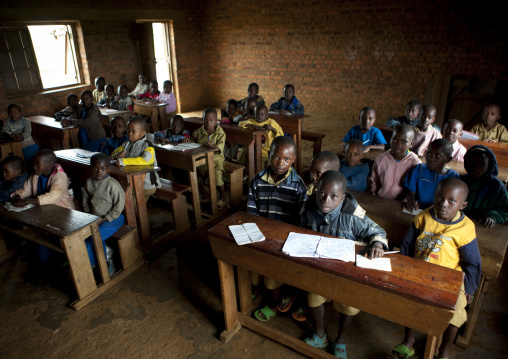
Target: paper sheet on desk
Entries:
(10, 207)
(246, 233)
(383, 264)
(336, 248)
(84, 153)
(279, 113)
(181, 146)
(414, 213)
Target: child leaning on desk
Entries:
(122, 101)
(288, 104)
(332, 210)
(252, 93)
(230, 114)
(371, 137)
(176, 133)
(444, 236)
(19, 128)
(13, 170)
(490, 130)
(352, 167)
(118, 128)
(425, 133)
(411, 116)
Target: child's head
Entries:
(12, 167)
(367, 118)
(177, 124)
(288, 92)
(231, 107)
(154, 87)
(353, 152)
(123, 90)
(101, 165)
(282, 154)
(210, 119)
(99, 83)
(322, 162)
(427, 117)
(478, 161)
(331, 191)
(261, 113)
(253, 90)
(136, 129)
(72, 100)
(452, 130)
(402, 140)
(44, 161)
(438, 154)
(14, 111)
(251, 105)
(118, 127)
(87, 98)
(491, 114)
(167, 86)
(142, 78)
(413, 109)
(110, 90)
(449, 198)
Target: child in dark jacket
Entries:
(13, 169)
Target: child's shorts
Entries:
(219, 169)
(315, 300)
(270, 283)
(460, 315)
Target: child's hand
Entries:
(116, 163)
(186, 140)
(18, 202)
(488, 222)
(17, 137)
(208, 144)
(268, 127)
(411, 204)
(491, 140)
(367, 148)
(66, 123)
(121, 154)
(374, 251)
(14, 195)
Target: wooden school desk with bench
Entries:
(46, 129)
(108, 114)
(155, 110)
(415, 294)
(10, 148)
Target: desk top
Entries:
(410, 278)
(48, 121)
(52, 219)
(149, 103)
(112, 112)
(234, 133)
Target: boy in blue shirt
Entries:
(411, 117)
(118, 128)
(352, 168)
(371, 137)
(13, 169)
(253, 93)
(288, 104)
(176, 133)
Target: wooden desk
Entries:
(11, 148)
(189, 161)
(248, 137)
(130, 177)
(44, 128)
(65, 230)
(107, 115)
(154, 110)
(415, 294)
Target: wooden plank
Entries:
(212, 182)
(227, 286)
(429, 347)
(144, 225)
(244, 290)
(99, 253)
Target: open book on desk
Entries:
(307, 245)
(181, 146)
(246, 233)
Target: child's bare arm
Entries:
(412, 203)
(373, 147)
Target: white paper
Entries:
(336, 248)
(12, 208)
(376, 263)
(184, 146)
(84, 153)
(246, 233)
(414, 213)
(254, 233)
(301, 245)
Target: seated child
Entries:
(212, 135)
(230, 113)
(48, 184)
(138, 152)
(262, 122)
(425, 133)
(99, 93)
(167, 96)
(13, 169)
(176, 133)
(452, 131)
(122, 101)
(332, 210)
(422, 180)
(277, 193)
(141, 87)
(459, 252)
(103, 196)
(250, 110)
(322, 162)
(288, 103)
(252, 92)
(153, 93)
(118, 128)
(91, 134)
(391, 167)
(352, 168)
(411, 117)
(487, 201)
(19, 128)
(109, 97)
(371, 137)
(490, 130)
(72, 106)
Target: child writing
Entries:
(167, 96)
(424, 240)
(332, 210)
(141, 87)
(391, 167)
(230, 112)
(411, 116)
(99, 93)
(490, 130)
(138, 152)
(425, 133)
(103, 196)
(422, 180)
(118, 128)
(452, 131)
(352, 168)
(19, 128)
(153, 93)
(176, 133)
(487, 199)
(91, 134)
(109, 97)
(13, 169)
(371, 137)
(212, 135)
(322, 162)
(252, 93)
(288, 103)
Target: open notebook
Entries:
(307, 245)
(383, 264)
(246, 233)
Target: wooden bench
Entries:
(234, 173)
(126, 239)
(315, 138)
(174, 192)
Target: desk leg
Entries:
(73, 133)
(244, 290)
(17, 150)
(66, 141)
(130, 213)
(213, 184)
(155, 119)
(99, 253)
(144, 225)
(429, 347)
(163, 116)
(227, 286)
(298, 140)
(251, 158)
(196, 204)
(258, 145)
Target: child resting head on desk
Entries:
(371, 137)
(422, 180)
(352, 167)
(118, 128)
(13, 169)
(391, 167)
(288, 104)
(490, 130)
(488, 198)
(411, 116)
(444, 236)
(48, 184)
(99, 93)
(332, 210)
(138, 151)
(322, 162)
(425, 133)
(176, 133)
(252, 93)
(452, 131)
(19, 128)
(229, 115)
(122, 101)
(104, 197)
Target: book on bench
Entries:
(307, 245)
(246, 233)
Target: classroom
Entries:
(181, 292)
